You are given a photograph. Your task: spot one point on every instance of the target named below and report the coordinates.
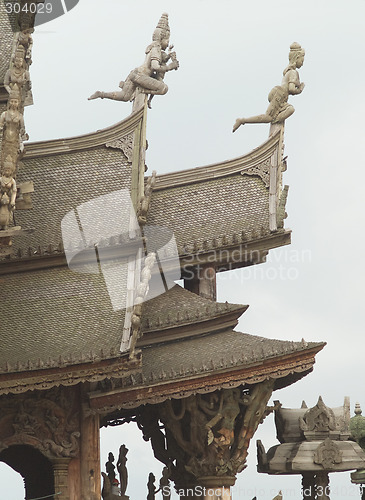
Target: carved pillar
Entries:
(90, 458)
(60, 471)
(308, 486)
(206, 437)
(322, 486)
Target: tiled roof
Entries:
(179, 307)
(6, 41)
(61, 183)
(208, 362)
(215, 352)
(56, 316)
(216, 209)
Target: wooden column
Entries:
(322, 486)
(202, 281)
(90, 458)
(60, 471)
(308, 486)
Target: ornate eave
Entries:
(108, 136)
(257, 162)
(153, 388)
(245, 192)
(63, 372)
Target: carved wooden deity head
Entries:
(162, 31)
(8, 169)
(296, 55)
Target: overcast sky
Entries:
(231, 54)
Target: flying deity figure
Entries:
(279, 109)
(7, 193)
(148, 77)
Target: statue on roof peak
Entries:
(279, 109)
(148, 78)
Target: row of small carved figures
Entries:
(17, 83)
(112, 488)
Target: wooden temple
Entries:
(97, 332)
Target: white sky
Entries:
(231, 54)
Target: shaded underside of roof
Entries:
(211, 210)
(56, 317)
(61, 184)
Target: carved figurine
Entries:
(279, 109)
(122, 468)
(290, 74)
(151, 487)
(24, 38)
(165, 487)
(149, 76)
(7, 193)
(110, 467)
(12, 124)
(18, 74)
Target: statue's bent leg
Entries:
(283, 115)
(149, 85)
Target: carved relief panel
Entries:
(47, 421)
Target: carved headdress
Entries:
(296, 50)
(8, 165)
(162, 29)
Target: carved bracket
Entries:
(125, 144)
(207, 435)
(262, 170)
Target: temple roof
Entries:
(67, 173)
(57, 314)
(171, 314)
(208, 362)
(221, 206)
(6, 41)
(61, 319)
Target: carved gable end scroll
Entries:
(262, 170)
(125, 144)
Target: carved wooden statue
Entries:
(165, 487)
(279, 109)
(149, 76)
(151, 487)
(12, 125)
(110, 467)
(7, 193)
(122, 468)
(19, 75)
